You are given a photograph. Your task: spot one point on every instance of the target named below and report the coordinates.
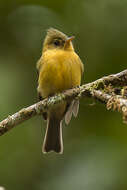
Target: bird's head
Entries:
(57, 40)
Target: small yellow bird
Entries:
(60, 68)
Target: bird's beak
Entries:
(70, 39)
(67, 43)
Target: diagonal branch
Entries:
(94, 90)
(119, 79)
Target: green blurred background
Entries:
(95, 144)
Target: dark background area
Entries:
(95, 143)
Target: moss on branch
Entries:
(110, 90)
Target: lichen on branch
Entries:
(110, 90)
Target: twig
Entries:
(119, 79)
(93, 90)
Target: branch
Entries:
(103, 90)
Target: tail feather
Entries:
(53, 136)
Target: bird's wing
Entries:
(68, 114)
(39, 64)
(73, 108)
(81, 65)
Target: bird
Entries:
(59, 68)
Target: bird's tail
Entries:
(53, 136)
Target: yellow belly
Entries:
(60, 71)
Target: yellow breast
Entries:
(60, 70)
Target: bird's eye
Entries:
(57, 43)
